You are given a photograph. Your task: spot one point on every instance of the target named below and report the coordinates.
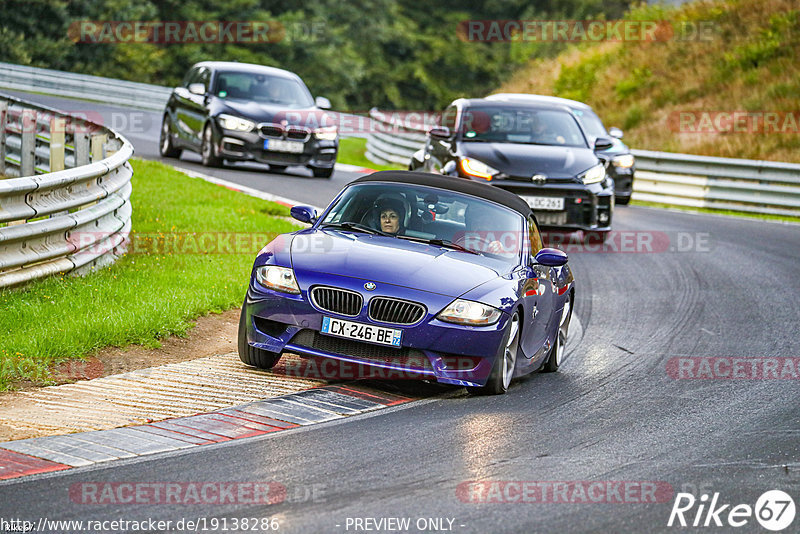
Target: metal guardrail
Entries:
(70, 85)
(677, 179)
(65, 206)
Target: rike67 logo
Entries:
(774, 510)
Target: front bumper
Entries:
(586, 207)
(430, 349)
(249, 146)
(623, 181)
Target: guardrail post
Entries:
(3, 115)
(81, 149)
(98, 141)
(28, 148)
(58, 127)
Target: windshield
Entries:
(262, 88)
(521, 125)
(591, 123)
(427, 214)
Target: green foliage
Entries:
(639, 78)
(577, 81)
(770, 43)
(394, 54)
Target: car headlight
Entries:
(470, 313)
(327, 133)
(624, 161)
(594, 175)
(229, 122)
(278, 278)
(478, 169)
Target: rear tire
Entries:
(556, 355)
(165, 145)
(210, 159)
(322, 173)
(504, 363)
(252, 356)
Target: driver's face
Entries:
(390, 221)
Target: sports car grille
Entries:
(339, 301)
(389, 310)
(406, 357)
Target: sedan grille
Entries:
(389, 310)
(336, 300)
(271, 130)
(404, 357)
(298, 133)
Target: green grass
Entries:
(351, 151)
(149, 293)
(733, 213)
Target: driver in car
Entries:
(391, 216)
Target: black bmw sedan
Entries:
(537, 150)
(243, 112)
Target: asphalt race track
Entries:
(621, 411)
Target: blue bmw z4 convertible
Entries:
(430, 276)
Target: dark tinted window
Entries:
(262, 88)
(521, 125)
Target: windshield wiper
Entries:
(354, 226)
(441, 243)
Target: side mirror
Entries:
(603, 143)
(439, 132)
(197, 89)
(304, 214)
(322, 103)
(615, 132)
(551, 257)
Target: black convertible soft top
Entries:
(451, 183)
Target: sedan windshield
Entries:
(425, 214)
(521, 125)
(262, 88)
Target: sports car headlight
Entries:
(594, 175)
(478, 169)
(624, 161)
(471, 313)
(229, 122)
(327, 133)
(278, 278)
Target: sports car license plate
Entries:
(279, 145)
(545, 203)
(552, 218)
(361, 332)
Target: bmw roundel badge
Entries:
(370, 286)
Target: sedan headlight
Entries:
(594, 175)
(278, 278)
(238, 124)
(624, 161)
(478, 169)
(327, 133)
(470, 313)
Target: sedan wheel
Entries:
(166, 146)
(210, 159)
(505, 362)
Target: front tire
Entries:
(165, 145)
(277, 168)
(322, 173)
(622, 201)
(210, 158)
(252, 356)
(504, 363)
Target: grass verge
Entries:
(733, 213)
(152, 292)
(351, 151)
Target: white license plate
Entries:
(361, 332)
(279, 145)
(552, 218)
(545, 203)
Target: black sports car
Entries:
(243, 112)
(536, 150)
(620, 162)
